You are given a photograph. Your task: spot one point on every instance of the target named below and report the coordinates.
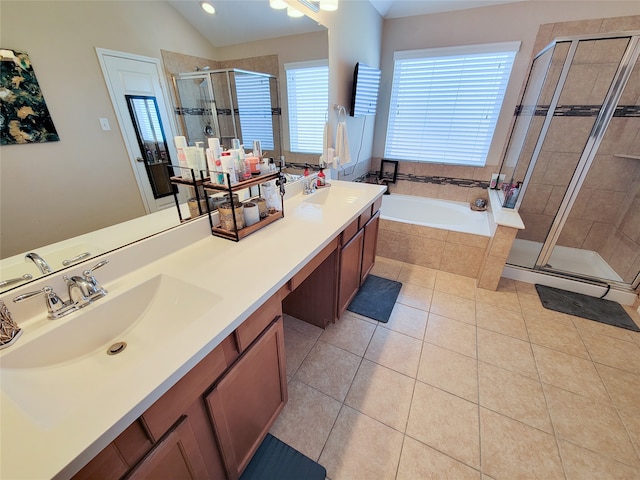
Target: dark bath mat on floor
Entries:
(275, 460)
(376, 298)
(592, 308)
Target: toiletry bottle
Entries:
(181, 144)
(306, 171)
(229, 167)
(201, 158)
(321, 178)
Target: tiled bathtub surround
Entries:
(434, 180)
(464, 383)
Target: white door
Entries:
(128, 74)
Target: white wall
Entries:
(56, 190)
(507, 22)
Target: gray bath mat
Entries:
(592, 308)
(275, 460)
(376, 298)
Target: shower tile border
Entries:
(575, 110)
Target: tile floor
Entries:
(464, 383)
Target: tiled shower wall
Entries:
(606, 215)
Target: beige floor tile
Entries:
(445, 422)
(624, 388)
(408, 320)
(349, 333)
(571, 373)
(613, 352)
(525, 288)
(501, 320)
(532, 309)
(449, 371)
(513, 450)
(296, 346)
(506, 352)
(382, 394)
(514, 396)
(597, 328)
(419, 461)
(589, 424)
(395, 351)
(360, 447)
(415, 296)
(329, 369)
(417, 275)
(456, 285)
(387, 268)
(504, 299)
(632, 422)
(306, 420)
(580, 463)
(302, 326)
(452, 306)
(556, 336)
(451, 334)
(359, 317)
(506, 285)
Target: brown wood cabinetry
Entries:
(248, 398)
(370, 243)
(350, 264)
(223, 406)
(176, 455)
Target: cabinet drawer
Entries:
(168, 409)
(253, 326)
(349, 232)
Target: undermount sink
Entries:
(325, 194)
(157, 304)
(38, 374)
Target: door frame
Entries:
(170, 129)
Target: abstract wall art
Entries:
(24, 117)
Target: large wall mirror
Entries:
(60, 193)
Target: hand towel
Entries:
(343, 156)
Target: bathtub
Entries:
(435, 213)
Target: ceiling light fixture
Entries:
(278, 4)
(207, 7)
(329, 5)
(292, 12)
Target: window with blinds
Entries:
(254, 108)
(308, 99)
(445, 102)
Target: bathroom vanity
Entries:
(202, 378)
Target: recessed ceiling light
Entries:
(207, 7)
(292, 12)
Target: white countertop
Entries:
(89, 405)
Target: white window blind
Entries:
(445, 102)
(308, 99)
(254, 107)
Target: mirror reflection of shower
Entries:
(575, 147)
(228, 104)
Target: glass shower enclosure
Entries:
(575, 146)
(228, 104)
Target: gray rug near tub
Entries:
(376, 298)
(591, 308)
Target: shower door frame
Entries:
(620, 79)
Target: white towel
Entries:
(325, 159)
(343, 156)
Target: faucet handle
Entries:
(89, 273)
(55, 306)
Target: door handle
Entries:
(140, 159)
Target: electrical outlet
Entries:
(104, 123)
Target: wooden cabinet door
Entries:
(350, 263)
(176, 455)
(369, 246)
(247, 400)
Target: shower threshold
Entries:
(524, 253)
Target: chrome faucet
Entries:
(83, 290)
(39, 261)
(309, 185)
